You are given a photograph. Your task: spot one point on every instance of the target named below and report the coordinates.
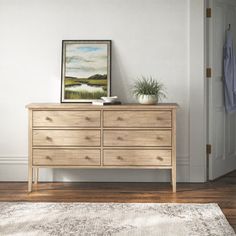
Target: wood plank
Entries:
(136, 157)
(66, 138)
(222, 191)
(107, 167)
(140, 138)
(66, 157)
(76, 106)
(30, 144)
(36, 175)
(173, 172)
(61, 118)
(138, 119)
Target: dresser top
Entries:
(82, 106)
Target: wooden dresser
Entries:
(88, 136)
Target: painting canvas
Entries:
(85, 70)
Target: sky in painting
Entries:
(85, 60)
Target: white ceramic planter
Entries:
(147, 99)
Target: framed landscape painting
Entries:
(86, 70)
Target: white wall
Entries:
(149, 38)
(197, 100)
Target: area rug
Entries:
(141, 219)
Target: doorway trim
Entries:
(197, 91)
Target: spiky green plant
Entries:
(149, 86)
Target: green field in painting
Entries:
(75, 81)
(94, 81)
(84, 95)
(69, 81)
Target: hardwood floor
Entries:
(221, 191)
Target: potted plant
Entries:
(148, 91)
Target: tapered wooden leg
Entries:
(30, 175)
(36, 174)
(173, 171)
(30, 169)
(173, 177)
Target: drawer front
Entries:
(67, 118)
(137, 157)
(69, 157)
(137, 119)
(66, 138)
(133, 138)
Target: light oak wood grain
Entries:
(66, 118)
(137, 119)
(30, 169)
(137, 157)
(36, 174)
(221, 191)
(148, 138)
(82, 106)
(66, 157)
(66, 138)
(130, 136)
(173, 172)
(104, 167)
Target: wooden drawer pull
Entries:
(87, 118)
(159, 118)
(119, 158)
(87, 138)
(119, 118)
(48, 118)
(119, 138)
(160, 158)
(159, 138)
(48, 138)
(48, 157)
(87, 157)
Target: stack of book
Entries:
(104, 103)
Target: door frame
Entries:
(197, 91)
(208, 35)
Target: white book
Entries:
(103, 103)
(98, 102)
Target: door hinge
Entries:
(208, 72)
(208, 12)
(208, 149)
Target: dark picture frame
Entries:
(85, 70)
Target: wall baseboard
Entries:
(16, 169)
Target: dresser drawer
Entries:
(137, 157)
(67, 118)
(137, 119)
(66, 138)
(134, 138)
(68, 157)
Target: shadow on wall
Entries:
(114, 175)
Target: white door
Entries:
(221, 126)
